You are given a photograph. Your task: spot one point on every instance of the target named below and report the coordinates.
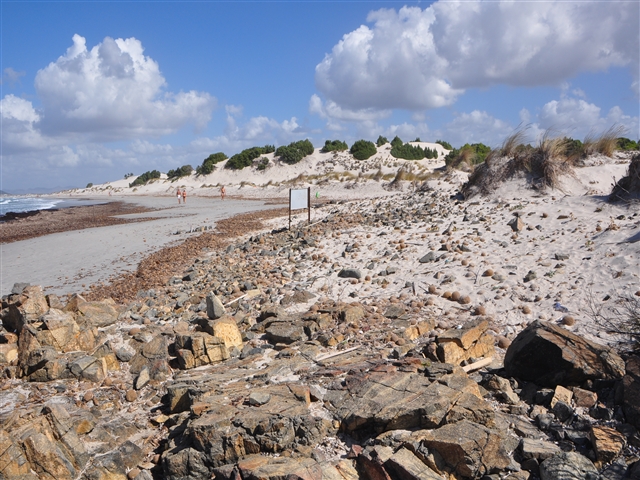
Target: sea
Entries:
(19, 204)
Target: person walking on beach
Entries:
(184, 196)
(179, 194)
(223, 192)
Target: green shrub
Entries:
(334, 145)
(446, 145)
(89, 185)
(247, 156)
(407, 151)
(209, 163)
(397, 141)
(626, 144)
(263, 163)
(470, 154)
(381, 141)
(295, 151)
(183, 171)
(363, 149)
(127, 175)
(417, 139)
(145, 177)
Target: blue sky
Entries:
(94, 90)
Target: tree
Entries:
(89, 185)
(209, 163)
(180, 172)
(626, 144)
(247, 156)
(145, 177)
(381, 141)
(295, 151)
(363, 149)
(446, 145)
(334, 145)
(397, 141)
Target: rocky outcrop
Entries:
(550, 355)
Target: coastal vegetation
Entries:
(467, 155)
(446, 145)
(209, 163)
(183, 171)
(381, 141)
(363, 149)
(334, 145)
(247, 156)
(145, 177)
(406, 151)
(295, 151)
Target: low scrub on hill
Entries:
(363, 149)
(247, 156)
(446, 145)
(183, 171)
(381, 141)
(145, 177)
(626, 145)
(334, 145)
(209, 163)
(295, 151)
(467, 156)
(407, 151)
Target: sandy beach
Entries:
(71, 260)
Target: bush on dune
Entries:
(247, 156)
(626, 145)
(407, 151)
(604, 144)
(628, 187)
(465, 157)
(295, 151)
(145, 177)
(363, 149)
(209, 163)
(381, 141)
(183, 171)
(334, 145)
(446, 145)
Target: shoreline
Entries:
(71, 260)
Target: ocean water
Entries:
(26, 204)
(29, 204)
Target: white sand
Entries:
(68, 262)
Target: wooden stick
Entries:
(478, 365)
(335, 354)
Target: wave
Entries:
(26, 204)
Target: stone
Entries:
(350, 273)
(531, 275)
(98, 314)
(352, 314)
(561, 394)
(429, 257)
(204, 348)
(465, 337)
(406, 465)
(607, 443)
(29, 306)
(549, 355)
(131, 395)
(516, 224)
(13, 461)
(285, 332)
(394, 311)
(538, 449)
(471, 450)
(215, 308)
(227, 330)
(142, 379)
(259, 398)
(631, 391)
(568, 466)
(8, 353)
(584, 398)
(47, 459)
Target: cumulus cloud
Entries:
(476, 127)
(113, 92)
(418, 59)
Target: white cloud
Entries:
(476, 127)
(113, 92)
(11, 76)
(418, 59)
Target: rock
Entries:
(131, 395)
(561, 257)
(89, 367)
(215, 308)
(516, 224)
(259, 398)
(561, 394)
(429, 257)
(98, 314)
(406, 465)
(584, 398)
(467, 335)
(352, 313)
(350, 273)
(204, 349)
(531, 275)
(607, 443)
(394, 311)
(299, 296)
(29, 305)
(13, 461)
(538, 449)
(284, 332)
(549, 355)
(142, 379)
(8, 353)
(568, 466)
(470, 449)
(227, 330)
(631, 391)
(19, 287)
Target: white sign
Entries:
(299, 199)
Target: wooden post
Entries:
(309, 203)
(289, 209)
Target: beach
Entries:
(93, 243)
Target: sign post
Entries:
(299, 198)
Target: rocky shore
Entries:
(408, 337)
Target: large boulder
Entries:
(24, 308)
(568, 466)
(549, 355)
(631, 384)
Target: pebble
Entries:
(568, 320)
(131, 395)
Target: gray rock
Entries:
(215, 308)
(350, 273)
(142, 379)
(18, 287)
(259, 398)
(531, 275)
(568, 466)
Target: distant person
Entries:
(184, 196)
(223, 192)
(179, 195)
